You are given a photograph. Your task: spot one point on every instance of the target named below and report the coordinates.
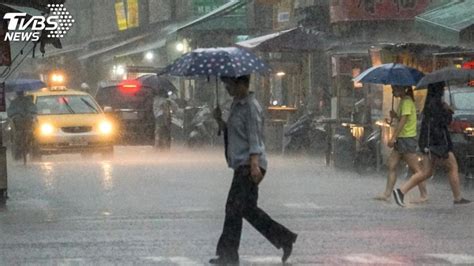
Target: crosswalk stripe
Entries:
(261, 259)
(454, 258)
(180, 261)
(370, 259)
(303, 206)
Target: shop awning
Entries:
(308, 3)
(292, 40)
(65, 50)
(447, 22)
(227, 17)
(112, 47)
(154, 41)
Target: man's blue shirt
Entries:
(245, 132)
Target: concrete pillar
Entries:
(3, 174)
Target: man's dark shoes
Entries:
(462, 201)
(398, 195)
(287, 249)
(224, 261)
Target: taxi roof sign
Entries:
(58, 88)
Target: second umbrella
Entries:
(391, 74)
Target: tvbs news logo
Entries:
(22, 27)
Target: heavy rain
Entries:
(236, 132)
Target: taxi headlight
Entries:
(46, 129)
(105, 127)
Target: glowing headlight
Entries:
(46, 129)
(105, 127)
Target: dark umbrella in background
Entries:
(448, 75)
(157, 83)
(24, 85)
(391, 74)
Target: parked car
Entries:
(131, 106)
(461, 99)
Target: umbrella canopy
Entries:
(24, 85)
(391, 74)
(221, 62)
(158, 84)
(449, 75)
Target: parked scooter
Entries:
(203, 128)
(306, 135)
(367, 154)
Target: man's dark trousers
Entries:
(242, 203)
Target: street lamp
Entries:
(120, 70)
(149, 56)
(180, 47)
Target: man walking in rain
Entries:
(245, 154)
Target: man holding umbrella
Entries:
(245, 150)
(245, 153)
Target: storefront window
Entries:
(279, 91)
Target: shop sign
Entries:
(121, 16)
(202, 7)
(132, 14)
(283, 16)
(127, 15)
(360, 10)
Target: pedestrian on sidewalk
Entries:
(245, 154)
(403, 142)
(162, 110)
(436, 145)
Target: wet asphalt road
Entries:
(143, 207)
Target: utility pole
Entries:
(3, 154)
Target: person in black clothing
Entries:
(245, 154)
(435, 144)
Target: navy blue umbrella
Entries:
(24, 85)
(391, 74)
(220, 62)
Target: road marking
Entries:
(181, 261)
(261, 259)
(370, 259)
(304, 206)
(454, 258)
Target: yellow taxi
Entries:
(70, 121)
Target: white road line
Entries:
(180, 261)
(261, 259)
(454, 258)
(303, 206)
(370, 259)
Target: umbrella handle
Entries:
(450, 95)
(391, 119)
(219, 130)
